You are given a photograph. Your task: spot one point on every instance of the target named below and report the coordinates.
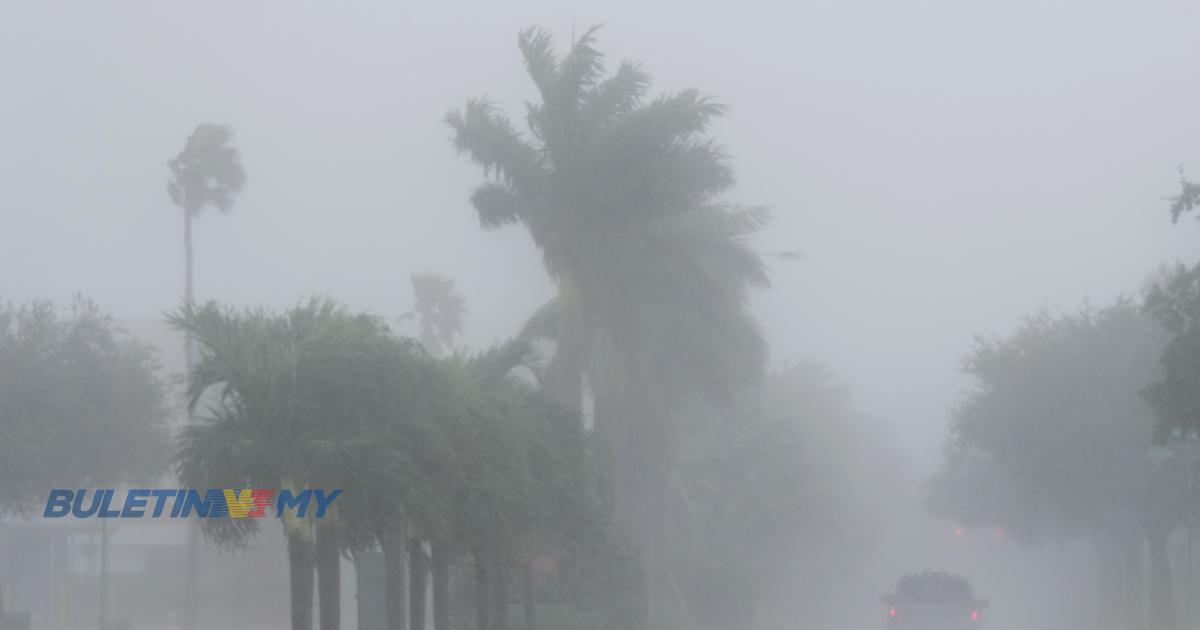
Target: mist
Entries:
(937, 175)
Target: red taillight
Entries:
(892, 611)
(974, 615)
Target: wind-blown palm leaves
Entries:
(474, 458)
(533, 470)
(310, 398)
(207, 172)
(621, 194)
(521, 482)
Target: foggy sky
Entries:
(946, 167)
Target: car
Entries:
(933, 601)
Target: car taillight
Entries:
(974, 615)
(892, 611)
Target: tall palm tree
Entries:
(621, 194)
(207, 172)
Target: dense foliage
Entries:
(1055, 440)
(464, 452)
(81, 402)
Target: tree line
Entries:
(1084, 425)
(624, 460)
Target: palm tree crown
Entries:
(621, 194)
(439, 310)
(207, 172)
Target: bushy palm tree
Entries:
(466, 452)
(517, 479)
(303, 400)
(621, 193)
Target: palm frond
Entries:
(616, 97)
(497, 204)
(537, 47)
(580, 69)
(208, 171)
(673, 118)
(487, 135)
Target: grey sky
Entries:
(946, 166)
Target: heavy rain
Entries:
(599, 315)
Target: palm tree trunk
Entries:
(499, 589)
(103, 575)
(418, 585)
(1135, 602)
(527, 595)
(441, 587)
(188, 263)
(1162, 598)
(393, 578)
(329, 576)
(636, 435)
(193, 556)
(564, 375)
(300, 566)
(369, 588)
(654, 453)
(482, 582)
(1109, 582)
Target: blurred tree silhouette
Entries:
(303, 401)
(81, 406)
(462, 453)
(784, 499)
(439, 311)
(1054, 442)
(207, 172)
(621, 195)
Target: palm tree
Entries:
(207, 172)
(514, 480)
(439, 310)
(301, 400)
(622, 196)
